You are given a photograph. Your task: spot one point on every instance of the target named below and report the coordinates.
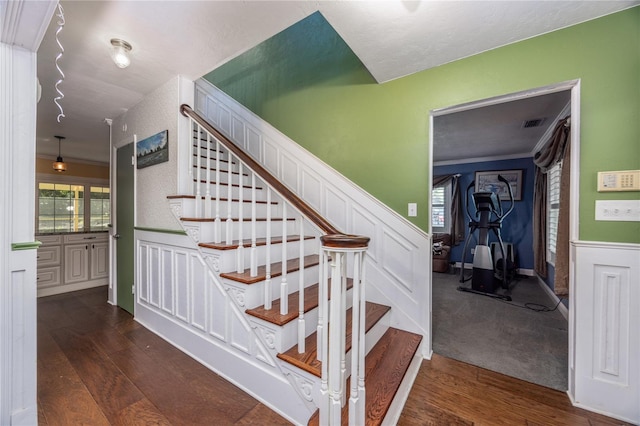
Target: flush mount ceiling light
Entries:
(120, 52)
(59, 165)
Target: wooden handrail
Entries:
(265, 175)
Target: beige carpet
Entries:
(499, 336)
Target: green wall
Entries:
(307, 83)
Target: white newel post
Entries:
(344, 255)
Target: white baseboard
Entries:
(561, 307)
(66, 288)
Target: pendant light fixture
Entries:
(59, 165)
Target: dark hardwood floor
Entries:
(96, 366)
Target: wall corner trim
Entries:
(30, 245)
(160, 231)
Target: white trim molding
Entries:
(607, 317)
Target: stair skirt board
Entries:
(269, 386)
(397, 405)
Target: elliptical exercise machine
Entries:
(485, 278)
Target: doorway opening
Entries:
(529, 337)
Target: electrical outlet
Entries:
(618, 210)
(413, 209)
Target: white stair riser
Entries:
(261, 194)
(189, 209)
(224, 175)
(286, 336)
(205, 231)
(227, 258)
(254, 293)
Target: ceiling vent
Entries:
(535, 122)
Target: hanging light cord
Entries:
(60, 14)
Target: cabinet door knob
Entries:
(116, 236)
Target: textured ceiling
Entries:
(391, 38)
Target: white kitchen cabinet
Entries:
(76, 263)
(70, 262)
(99, 255)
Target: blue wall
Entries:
(518, 227)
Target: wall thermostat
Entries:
(622, 180)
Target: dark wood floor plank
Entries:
(262, 415)
(62, 396)
(142, 412)
(482, 397)
(109, 387)
(162, 385)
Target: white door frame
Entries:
(574, 87)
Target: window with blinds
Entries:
(440, 207)
(553, 206)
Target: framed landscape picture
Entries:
(488, 182)
(153, 150)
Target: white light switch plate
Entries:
(618, 210)
(413, 209)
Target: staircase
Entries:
(301, 283)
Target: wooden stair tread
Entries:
(308, 361)
(235, 200)
(385, 367)
(276, 270)
(310, 302)
(247, 242)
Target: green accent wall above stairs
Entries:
(307, 83)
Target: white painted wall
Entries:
(158, 111)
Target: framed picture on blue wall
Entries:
(153, 150)
(487, 181)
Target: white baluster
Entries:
(192, 129)
(301, 320)
(357, 398)
(218, 222)
(254, 250)
(267, 280)
(240, 250)
(323, 300)
(284, 286)
(207, 195)
(343, 328)
(336, 349)
(229, 223)
(198, 183)
(323, 339)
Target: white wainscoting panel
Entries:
(399, 256)
(607, 304)
(180, 298)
